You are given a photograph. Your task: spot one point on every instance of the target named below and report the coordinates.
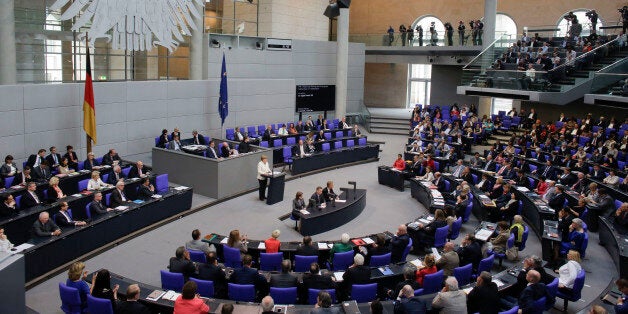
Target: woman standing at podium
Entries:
(263, 170)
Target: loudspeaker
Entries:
(344, 4)
(332, 11)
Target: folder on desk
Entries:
(121, 208)
(211, 237)
(171, 295)
(386, 271)
(338, 275)
(155, 295)
(358, 242)
(322, 246)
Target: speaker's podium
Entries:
(276, 184)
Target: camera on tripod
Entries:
(623, 10)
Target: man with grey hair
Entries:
(484, 297)
(116, 175)
(267, 304)
(451, 300)
(448, 260)
(131, 306)
(118, 197)
(408, 303)
(356, 274)
(45, 227)
(409, 278)
(181, 263)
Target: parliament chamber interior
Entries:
(314, 156)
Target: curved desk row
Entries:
(427, 194)
(332, 158)
(46, 254)
(18, 226)
(318, 146)
(319, 220)
(615, 239)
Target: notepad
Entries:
(181, 188)
(77, 195)
(483, 234)
(368, 240)
(155, 295)
(322, 245)
(261, 246)
(171, 295)
(341, 201)
(157, 196)
(338, 275)
(417, 263)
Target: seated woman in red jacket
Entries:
(272, 244)
(429, 267)
(399, 164)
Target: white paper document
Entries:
(322, 246)
(483, 234)
(417, 263)
(341, 201)
(21, 248)
(338, 275)
(261, 246)
(181, 188)
(304, 212)
(171, 295)
(121, 208)
(224, 240)
(498, 282)
(435, 253)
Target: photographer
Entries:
(402, 31)
(433, 34)
(624, 17)
(419, 31)
(575, 29)
(461, 29)
(474, 32)
(592, 15)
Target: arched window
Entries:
(505, 25)
(582, 19)
(426, 22)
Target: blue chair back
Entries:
(524, 239)
(337, 144)
(157, 141)
(486, 264)
(284, 295)
(261, 129)
(436, 166)
(245, 293)
(533, 167)
(98, 305)
(270, 261)
(463, 274)
(433, 283)
(475, 178)
(350, 133)
(105, 177)
(380, 260)
(286, 152)
(406, 251)
(251, 131)
(88, 213)
(441, 236)
(350, 143)
(511, 241)
(327, 135)
(362, 141)
(108, 199)
(312, 294)
(205, 287)
(277, 142)
(70, 299)
(99, 160)
(82, 185)
(467, 211)
(171, 281)
(231, 256)
(447, 185)
(291, 141)
(342, 261)
(161, 183)
(18, 200)
(230, 134)
(552, 289)
(539, 305)
(302, 263)
(197, 256)
(263, 144)
(585, 244)
(514, 310)
(126, 171)
(81, 165)
(617, 204)
(8, 182)
(455, 229)
(325, 147)
(364, 293)
(338, 134)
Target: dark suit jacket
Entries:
(266, 135)
(599, 175)
(327, 193)
(319, 199)
(557, 202)
(248, 276)
(116, 199)
(413, 305)
(224, 152)
(163, 141)
(244, 147)
(6, 210)
(181, 265)
(483, 299)
(440, 184)
(19, 176)
(40, 174)
(97, 208)
(52, 194)
(134, 173)
(32, 159)
(296, 150)
(468, 178)
(201, 140)
(307, 250)
(144, 193)
(43, 230)
(567, 180)
(61, 220)
(490, 166)
(51, 161)
(529, 295)
(215, 274)
(522, 181)
(213, 154)
(317, 282)
(131, 307)
(471, 253)
(73, 157)
(397, 246)
(108, 160)
(88, 166)
(112, 177)
(550, 174)
(357, 275)
(28, 201)
(283, 280)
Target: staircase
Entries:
(389, 121)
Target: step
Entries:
(406, 128)
(377, 130)
(405, 122)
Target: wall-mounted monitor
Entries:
(315, 98)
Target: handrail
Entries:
(610, 65)
(564, 65)
(496, 70)
(485, 49)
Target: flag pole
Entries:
(87, 137)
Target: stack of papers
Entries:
(181, 188)
(435, 253)
(368, 240)
(155, 295)
(338, 275)
(322, 245)
(261, 246)
(224, 240)
(483, 234)
(121, 208)
(341, 201)
(522, 189)
(171, 295)
(498, 282)
(304, 212)
(157, 196)
(417, 263)
(21, 247)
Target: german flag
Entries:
(89, 112)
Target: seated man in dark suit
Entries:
(548, 171)
(163, 139)
(198, 139)
(138, 170)
(8, 207)
(64, 219)
(439, 182)
(131, 304)
(34, 160)
(470, 251)
(175, 144)
(42, 172)
(211, 151)
(318, 196)
(115, 176)
(146, 190)
(301, 149)
(181, 263)
(415, 166)
(484, 297)
(307, 248)
(110, 157)
(284, 279)
(567, 178)
(315, 279)
(246, 275)
(53, 158)
(398, 244)
(490, 164)
(96, 207)
(356, 274)
(22, 178)
(328, 192)
(409, 278)
(466, 175)
(558, 201)
(118, 198)
(244, 146)
(534, 291)
(211, 271)
(597, 173)
(408, 303)
(521, 179)
(268, 133)
(30, 198)
(44, 227)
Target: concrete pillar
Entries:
(484, 106)
(8, 70)
(490, 11)
(196, 45)
(342, 63)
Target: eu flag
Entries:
(223, 103)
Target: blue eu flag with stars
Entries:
(223, 103)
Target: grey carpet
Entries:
(143, 257)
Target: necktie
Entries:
(487, 164)
(54, 156)
(545, 171)
(35, 197)
(457, 172)
(139, 170)
(65, 214)
(122, 195)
